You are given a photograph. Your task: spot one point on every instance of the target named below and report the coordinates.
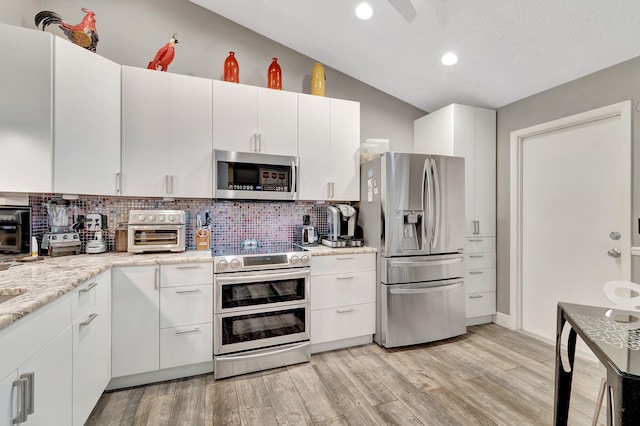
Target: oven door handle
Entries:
(261, 277)
(260, 355)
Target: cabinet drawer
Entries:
(83, 298)
(324, 265)
(329, 291)
(186, 274)
(480, 244)
(479, 261)
(480, 304)
(186, 345)
(342, 323)
(478, 280)
(186, 305)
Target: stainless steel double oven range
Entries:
(261, 308)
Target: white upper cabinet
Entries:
(166, 134)
(26, 110)
(146, 132)
(329, 149)
(468, 132)
(87, 121)
(314, 147)
(191, 149)
(254, 119)
(345, 150)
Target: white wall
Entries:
(131, 31)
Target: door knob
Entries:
(614, 252)
(614, 235)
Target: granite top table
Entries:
(614, 337)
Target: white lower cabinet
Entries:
(480, 279)
(162, 318)
(343, 300)
(49, 383)
(91, 346)
(135, 333)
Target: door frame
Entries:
(622, 110)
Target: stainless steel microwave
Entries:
(254, 176)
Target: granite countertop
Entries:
(321, 250)
(41, 282)
(37, 283)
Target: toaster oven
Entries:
(156, 231)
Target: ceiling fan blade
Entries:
(404, 8)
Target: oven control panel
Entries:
(259, 262)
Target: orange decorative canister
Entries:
(274, 75)
(231, 69)
(318, 80)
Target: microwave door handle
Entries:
(294, 180)
(437, 207)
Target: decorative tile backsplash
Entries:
(231, 221)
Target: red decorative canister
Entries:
(231, 69)
(274, 75)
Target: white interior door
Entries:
(575, 192)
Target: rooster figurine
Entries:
(164, 56)
(84, 34)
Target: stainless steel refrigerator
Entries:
(412, 211)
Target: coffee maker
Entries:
(341, 221)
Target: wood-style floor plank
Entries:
(490, 376)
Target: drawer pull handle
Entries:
(197, 290)
(476, 240)
(22, 395)
(89, 288)
(344, 311)
(87, 322)
(188, 267)
(344, 258)
(476, 257)
(191, 330)
(475, 272)
(477, 296)
(348, 277)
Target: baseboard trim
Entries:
(160, 375)
(340, 344)
(502, 320)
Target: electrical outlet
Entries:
(93, 222)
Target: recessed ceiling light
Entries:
(364, 11)
(449, 58)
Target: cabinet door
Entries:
(135, 333)
(464, 133)
(277, 122)
(52, 388)
(146, 132)
(26, 138)
(235, 116)
(345, 150)
(92, 351)
(314, 147)
(8, 400)
(191, 137)
(485, 171)
(87, 121)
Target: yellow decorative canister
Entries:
(318, 80)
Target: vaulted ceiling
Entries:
(507, 49)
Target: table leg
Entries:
(563, 377)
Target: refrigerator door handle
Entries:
(436, 192)
(427, 219)
(423, 290)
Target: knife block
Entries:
(203, 239)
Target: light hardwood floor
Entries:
(490, 376)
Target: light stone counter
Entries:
(41, 282)
(328, 251)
